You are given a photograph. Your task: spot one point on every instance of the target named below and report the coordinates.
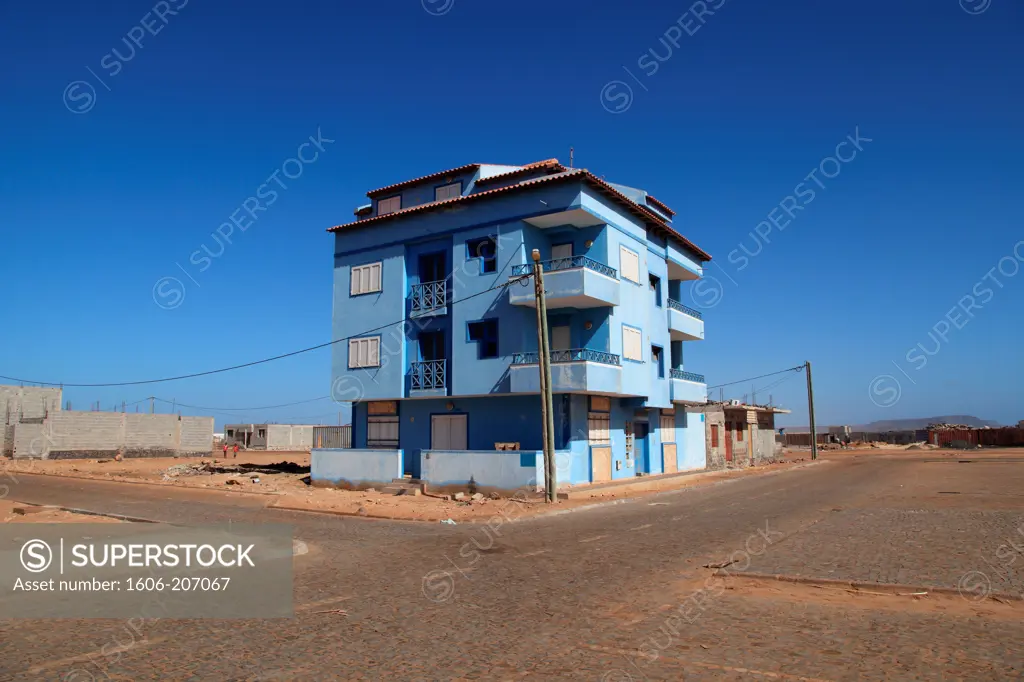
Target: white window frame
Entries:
(632, 350)
(389, 205)
(599, 428)
(444, 192)
(382, 432)
(364, 352)
(627, 255)
(365, 279)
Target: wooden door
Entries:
(600, 463)
(448, 432)
(728, 441)
(671, 464)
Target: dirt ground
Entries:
(283, 478)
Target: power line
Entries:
(254, 362)
(798, 368)
(241, 409)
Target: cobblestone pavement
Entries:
(616, 593)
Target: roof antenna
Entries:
(571, 152)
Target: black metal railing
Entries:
(430, 374)
(567, 263)
(688, 376)
(429, 295)
(572, 355)
(676, 305)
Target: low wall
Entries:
(355, 469)
(484, 470)
(87, 435)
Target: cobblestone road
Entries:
(612, 594)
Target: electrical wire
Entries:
(798, 368)
(239, 409)
(254, 362)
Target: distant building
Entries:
(739, 435)
(270, 436)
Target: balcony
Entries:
(684, 324)
(578, 370)
(428, 378)
(687, 387)
(573, 282)
(429, 298)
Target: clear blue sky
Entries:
(98, 206)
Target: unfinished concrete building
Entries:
(739, 435)
(270, 436)
(28, 406)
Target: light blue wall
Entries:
(692, 450)
(356, 469)
(488, 470)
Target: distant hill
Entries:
(905, 424)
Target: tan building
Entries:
(739, 435)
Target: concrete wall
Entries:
(355, 469)
(715, 455)
(483, 470)
(23, 404)
(289, 437)
(79, 435)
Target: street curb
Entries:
(356, 515)
(857, 585)
(89, 512)
(151, 483)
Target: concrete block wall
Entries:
(196, 436)
(83, 435)
(289, 437)
(715, 455)
(19, 403)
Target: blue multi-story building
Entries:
(433, 267)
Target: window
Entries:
(600, 403)
(486, 250)
(364, 352)
(668, 427)
(448, 191)
(739, 433)
(382, 432)
(632, 344)
(629, 264)
(386, 408)
(655, 285)
(231, 433)
(365, 279)
(656, 358)
(599, 427)
(262, 433)
(714, 435)
(485, 333)
(389, 205)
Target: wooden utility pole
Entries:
(810, 411)
(544, 365)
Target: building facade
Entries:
(269, 436)
(438, 271)
(739, 435)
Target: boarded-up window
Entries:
(365, 279)
(668, 428)
(389, 205)
(382, 407)
(600, 403)
(632, 344)
(364, 352)
(599, 425)
(629, 264)
(382, 432)
(714, 435)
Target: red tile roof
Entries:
(658, 204)
(549, 165)
(406, 183)
(644, 213)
